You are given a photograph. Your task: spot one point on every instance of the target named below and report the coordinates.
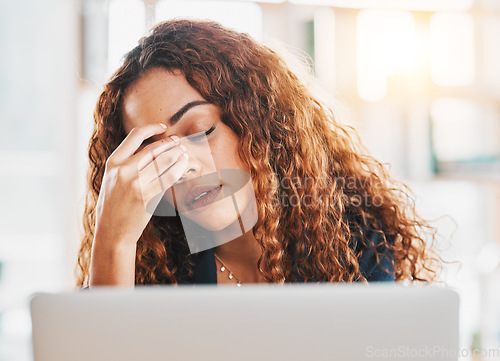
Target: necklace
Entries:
(231, 275)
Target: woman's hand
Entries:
(132, 178)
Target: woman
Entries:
(349, 220)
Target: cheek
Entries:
(225, 153)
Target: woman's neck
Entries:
(241, 256)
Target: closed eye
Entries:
(200, 135)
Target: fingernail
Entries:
(175, 138)
(163, 125)
(185, 155)
(183, 147)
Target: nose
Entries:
(193, 169)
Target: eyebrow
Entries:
(178, 115)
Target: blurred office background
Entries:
(419, 79)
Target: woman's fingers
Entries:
(133, 141)
(148, 154)
(160, 164)
(158, 179)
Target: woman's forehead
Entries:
(158, 94)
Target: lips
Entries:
(198, 196)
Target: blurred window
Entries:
(452, 49)
(464, 131)
(386, 47)
(241, 16)
(127, 24)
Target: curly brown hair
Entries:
(294, 147)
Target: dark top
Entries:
(205, 269)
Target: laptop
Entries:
(292, 322)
